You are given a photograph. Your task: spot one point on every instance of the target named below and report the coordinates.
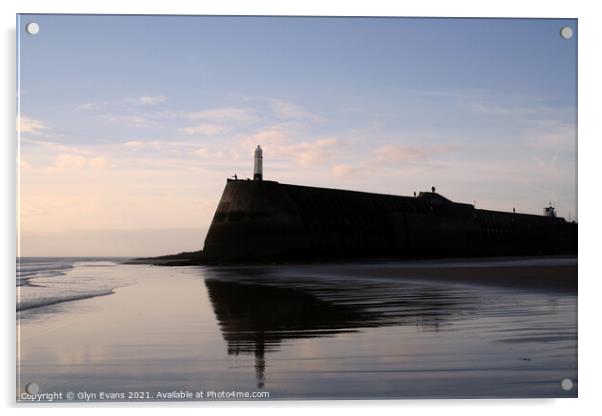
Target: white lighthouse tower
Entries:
(258, 168)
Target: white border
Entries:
(590, 68)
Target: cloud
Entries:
(342, 170)
(56, 146)
(268, 137)
(280, 143)
(398, 153)
(134, 144)
(552, 135)
(88, 106)
(311, 153)
(288, 110)
(527, 110)
(303, 153)
(130, 120)
(272, 139)
(202, 152)
(29, 125)
(209, 122)
(140, 144)
(205, 129)
(144, 100)
(222, 114)
(147, 100)
(97, 163)
(69, 162)
(218, 156)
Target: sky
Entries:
(129, 125)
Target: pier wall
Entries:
(265, 220)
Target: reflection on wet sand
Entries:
(257, 312)
(313, 332)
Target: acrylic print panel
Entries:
(269, 208)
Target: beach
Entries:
(488, 328)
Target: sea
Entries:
(44, 281)
(100, 326)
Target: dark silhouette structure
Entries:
(268, 221)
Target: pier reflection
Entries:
(258, 310)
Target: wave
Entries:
(40, 302)
(28, 268)
(43, 282)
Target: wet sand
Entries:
(301, 332)
(561, 277)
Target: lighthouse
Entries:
(258, 168)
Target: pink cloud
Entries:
(205, 129)
(29, 125)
